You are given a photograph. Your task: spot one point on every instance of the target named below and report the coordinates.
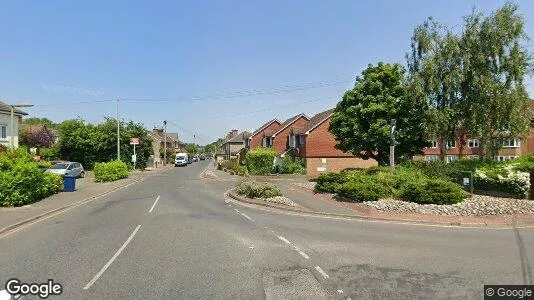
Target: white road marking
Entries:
(154, 205)
(302, 253)
(321, 272)
(95, 278)
(340, 291)
(248, 218)
(236, 210)
(284, 239)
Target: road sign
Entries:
(134, 158)
(134, 141)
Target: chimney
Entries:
(234, 132)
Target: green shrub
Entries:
(21, 181)
(110, 171)
(260, 161)
(363, 190)
(291, 165)
(329, 182)
(253, 189)
(44, 164)
(51, 153)
(502, 178)
(432, 191)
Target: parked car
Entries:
(180, 160)
(195, 157)
(67, 169)
(202, 157)
(189, 159)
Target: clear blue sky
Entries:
(57, 52)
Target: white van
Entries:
(180, 160)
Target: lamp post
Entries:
(12, 138)
(392, 145)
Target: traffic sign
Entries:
(134, 141)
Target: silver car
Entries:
(74, 169)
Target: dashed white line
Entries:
(302, 253)
(248, 218)
(340, 291)
(236, 210)
(90, 283)
(321, 272)
(283, 239)
(154, 205)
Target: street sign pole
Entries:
(135, 157)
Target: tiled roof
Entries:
(318, 119)
(7, 108)
(289, 122)
(263, 126)
(240, 138)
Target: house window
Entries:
(433, 143)
(267, 141)
(511, 143)
(450, 144)
(431, 157)
(505, 157)
(451, 158)
(292, 141)
(301, 140)
(474, 143)
(247, 143)
(3, 132)
(474, 157)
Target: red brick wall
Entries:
(320, 143)
(256, 140)
(281, 141)
(335, 164)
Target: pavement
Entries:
(175, 236)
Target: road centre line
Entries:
(284, 239)
(112, 259)
(301, 252)
(321, 272)
(154, 205)
(248, 218)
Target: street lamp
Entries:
(12, 139)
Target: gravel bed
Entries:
(280, 200)
(477, 205)
(308, 184)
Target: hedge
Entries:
(253, 189)
(290, 165)
(110, 171)
(432, 191)
(362, 190)
(260, 161)
(21, 181)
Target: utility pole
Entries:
(165, 142)
(392, 145)
(194, 139)
(118, 134)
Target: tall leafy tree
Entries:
(37, 136)
(361, 120)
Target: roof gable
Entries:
(7, 109)
(318, 119)
(288, 122)
(240, 138)
(263, 127)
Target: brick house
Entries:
(263, 135)
(316, 145)
(280, 139)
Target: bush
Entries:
(502, 178)
(432, 191)
(260, 161)
(51, 153)
(44, 164)
(329, 182)
(291, 165)
(21, 181)
(363, 190)
(110, 171)
(253, 189)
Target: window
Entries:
(3, 132)
(267, 141)
(450, 144)
(505, 157)
(247, 143)
(292, 141)
(474, 143)
(431, 157)
(451, 158)
(511, 143)
(474, 157)
(433, 143)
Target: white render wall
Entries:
(5, 119)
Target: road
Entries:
(174, 236)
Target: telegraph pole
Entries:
(392, 145)
(165, 142)
(118, 134)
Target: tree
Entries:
(473, 80)
(37, 136)
(39, 121)
(361, 120)
(192, 149)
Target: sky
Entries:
(205, 66)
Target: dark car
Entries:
(189, 159)
(202, 157)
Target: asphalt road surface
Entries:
(175, 236)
